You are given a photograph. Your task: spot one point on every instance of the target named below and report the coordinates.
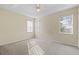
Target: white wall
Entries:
(49, 28)
(78, 26)
(12, 27)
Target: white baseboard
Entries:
(66, 44)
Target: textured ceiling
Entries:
(30, 9)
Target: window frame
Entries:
(61, 26)
(30, 27)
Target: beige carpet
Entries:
(17, 48)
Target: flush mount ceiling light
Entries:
(38, 7)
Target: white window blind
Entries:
(29, 26)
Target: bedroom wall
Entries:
(49, 27)
(78, 26)
(12, 27)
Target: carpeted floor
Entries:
(17, 48)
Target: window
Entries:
(29, 26)
(37, 25)
(66, 24)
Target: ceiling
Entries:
(30, 9)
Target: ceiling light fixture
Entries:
(38, 7)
